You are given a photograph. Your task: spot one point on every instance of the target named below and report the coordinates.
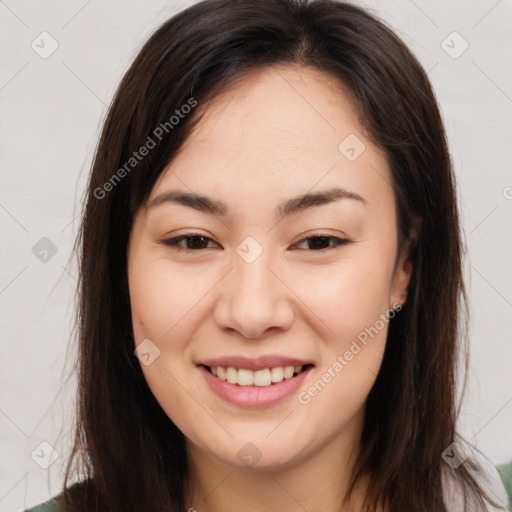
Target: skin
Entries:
(273, 137)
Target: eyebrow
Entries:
(290, 207)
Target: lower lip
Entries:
(254, 396)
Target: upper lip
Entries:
(254, 364)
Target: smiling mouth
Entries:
(265, 377)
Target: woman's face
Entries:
(251, 294)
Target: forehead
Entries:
(283, 131)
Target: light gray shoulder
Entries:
(486, 474)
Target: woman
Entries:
(271, 279)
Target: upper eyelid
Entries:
(301, 236)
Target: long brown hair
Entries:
(130, 454)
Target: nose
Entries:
(254, 300)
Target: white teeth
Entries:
(262, 378)
(245, 377)
(288, 372)
(232, 375)
(276, 374)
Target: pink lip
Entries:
(254, 364)
(253, 396)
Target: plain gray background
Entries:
(51, 114)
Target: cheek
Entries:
(165, 303)
(351, 300)
(347, 298)
(163, 299)
(353, 303)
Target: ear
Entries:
(401, 279)
(405, 266)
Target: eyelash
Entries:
(173, 242)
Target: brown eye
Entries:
(321, 242)
(193, 242)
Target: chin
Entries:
(259, 453)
